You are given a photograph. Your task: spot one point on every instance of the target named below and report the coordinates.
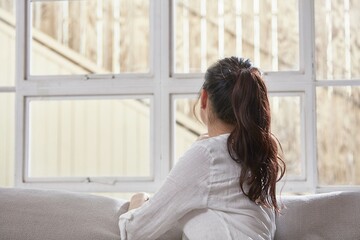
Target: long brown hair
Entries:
(238, 96)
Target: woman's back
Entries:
(229, 213)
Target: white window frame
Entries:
(162, 83)
(119, 85)
(87, 179)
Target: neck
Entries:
(218, 127)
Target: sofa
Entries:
(53, 215)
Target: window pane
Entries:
(7, 43)
(89, 137)
(265, 31)
(7, 139)
(337, 39)
(77, 37)
(7, 6)
(286, 126)
(187, 127)
(338, 135)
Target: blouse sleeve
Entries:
(186, 188)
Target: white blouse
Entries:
(202, 197)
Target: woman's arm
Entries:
(186, 188)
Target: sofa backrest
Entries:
(329, 216)
(54, 215)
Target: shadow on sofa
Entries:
(42, 214)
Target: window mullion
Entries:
(22, 11)
(307, 64)
(164, 53)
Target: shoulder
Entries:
(199, 149)
(205, 151)
(213, 144)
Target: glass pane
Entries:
(7, 139)
(77, 37)
(337, 39)
(187, 127)
(7, 6)
(286, 126)
(89, 137)
(338, 135)
(7, 43)
(265, 31)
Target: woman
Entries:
(224, 186)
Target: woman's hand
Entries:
(137, 200)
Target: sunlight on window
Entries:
(337, 39)
(286, 126)
(91, 137)
(7, 139)
(265, 31)
(186, 127)
(338, 135)
(78, 37)
(7, 43)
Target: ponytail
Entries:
(251, 143)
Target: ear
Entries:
(203, 98)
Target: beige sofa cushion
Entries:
(54, 215)
(330, 216)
